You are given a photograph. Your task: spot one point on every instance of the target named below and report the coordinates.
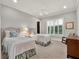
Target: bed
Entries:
(18, 47)
(43, 39)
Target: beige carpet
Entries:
(56, 50)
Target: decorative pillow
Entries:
(13, 34)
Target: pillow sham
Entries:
(13, 34)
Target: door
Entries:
(38, 27)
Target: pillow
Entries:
(13, 34)
(26, 34)
(7, 33)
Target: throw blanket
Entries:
(43, 38)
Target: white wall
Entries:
(78, 20)
(68, 17)
(0, 37)
(14, 18)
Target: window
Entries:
(49, 29)
(55, 26)
(52, 28)
(60, 29)
(56, 29)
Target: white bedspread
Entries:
(18, 45)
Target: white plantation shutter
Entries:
(55, 26)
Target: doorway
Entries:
(38, 27)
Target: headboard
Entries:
(3, 31)
(12, 29)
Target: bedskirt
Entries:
(24, 55)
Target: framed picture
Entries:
(70, 25)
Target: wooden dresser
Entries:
(73, 46)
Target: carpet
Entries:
(56, 50)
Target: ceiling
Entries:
(42, 8)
